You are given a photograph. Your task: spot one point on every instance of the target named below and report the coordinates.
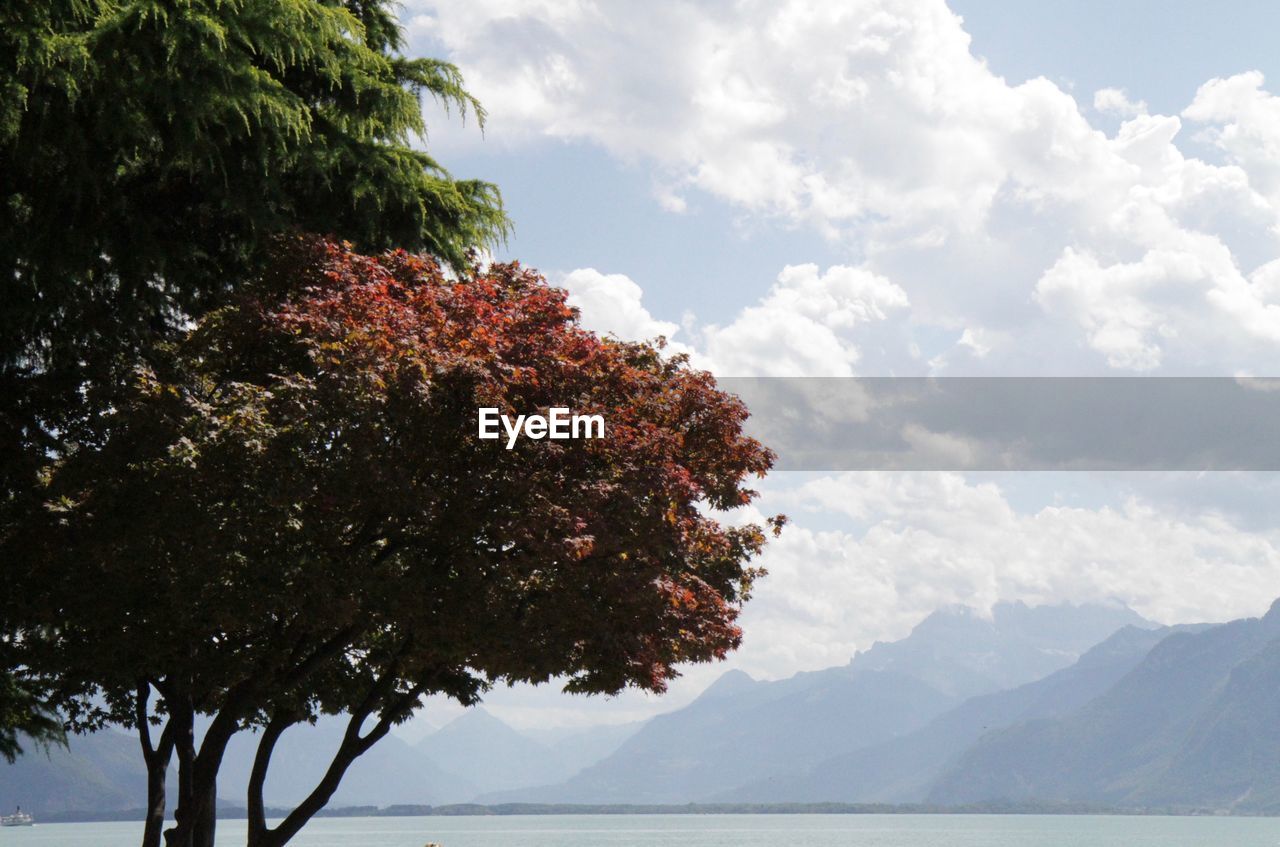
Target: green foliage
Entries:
(23, 714)
(150, 149)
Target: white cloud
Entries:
(847, 115)
(828, 113)
(1110, 303)
(977, 340)
(1246, 125)
(996, 208)
(930, 539)
(809, 324)
(991, 228)
(1115, 101)
(611, 304)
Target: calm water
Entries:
(717, 831)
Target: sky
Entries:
(906, 188)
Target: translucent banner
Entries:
(1033, 423)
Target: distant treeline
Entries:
(477, 810)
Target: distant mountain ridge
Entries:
(963, 653)
(933, 716)
(102, 772)
(740, 729)
(1192, 725)
(904, 769)
(391, 772)
(741, 726)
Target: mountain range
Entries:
(102, 772)
(486, 752)
(1067, 704)
(1192, 725)
(741, 728)
(471, 755)
(904, 769)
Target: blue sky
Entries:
(576, 205)
(892, 187)
(1160, 50)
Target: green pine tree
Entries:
(150, 149)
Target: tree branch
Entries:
(157, 762)
(353, 746)
(142, 719)
(330, 648)
(257, 814)
(198, 771)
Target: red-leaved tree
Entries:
(293, 515)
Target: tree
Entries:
(151, 149)
(292, 514)
(23, 714)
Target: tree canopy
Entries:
(150, 151)
(22, 714)
(290, 513)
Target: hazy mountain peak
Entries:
(484, 749)
(964, 652)
(729, 683)
(1192, 725)
(1272, 617)
(476, 718)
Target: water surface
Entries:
(716, 831)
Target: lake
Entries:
(717, 831)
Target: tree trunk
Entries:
(195, 813)
(182, 719)
(157, 760)
(353, 746)
(154, 826)
(195, 817)
(157, 772)
(197, 810)
(207, 818)
(257, 813)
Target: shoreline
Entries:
(546, 809)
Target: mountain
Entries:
(742, 730)
(903, 769)
(741, 726)
(963, 653)
(102, 772)
(738, 731)
(581, 747)
(1192, 725)
(491, 755)
(1231, 757)
(391, 772)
